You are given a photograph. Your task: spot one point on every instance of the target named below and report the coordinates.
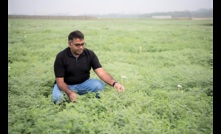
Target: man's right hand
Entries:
(72, 96)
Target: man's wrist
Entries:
(70, 92)
(114, 83)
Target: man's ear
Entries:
(69, 43)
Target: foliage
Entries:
(149, 57)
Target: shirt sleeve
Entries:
(59, 67)
(95, 61)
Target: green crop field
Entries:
(149, 57)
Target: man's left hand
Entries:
(119, 87)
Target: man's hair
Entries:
(75, 34)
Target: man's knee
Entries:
(57, 95)
(58, 98)
(99, 85)
(95, 86)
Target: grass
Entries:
(154, 56)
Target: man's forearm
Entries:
(106, 77)
(64, 87)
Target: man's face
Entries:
(77, 46)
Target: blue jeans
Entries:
(90, 85)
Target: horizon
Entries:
(61, 14)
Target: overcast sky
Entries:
(84, 7)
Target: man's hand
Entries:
(119, 87)
(72, 96)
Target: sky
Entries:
(100, 7)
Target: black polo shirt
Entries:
(75, 70)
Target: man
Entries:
(72, 71)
